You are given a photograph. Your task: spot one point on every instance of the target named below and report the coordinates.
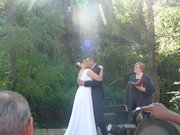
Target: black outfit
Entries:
(134, 98)
(97, 99)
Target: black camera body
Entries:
(128, 129)
(144, 124)
(124, 129)
(138, 115)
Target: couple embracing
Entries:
(87, 112)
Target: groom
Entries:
(97, 95)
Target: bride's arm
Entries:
(95, 76)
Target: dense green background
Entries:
(40, 42)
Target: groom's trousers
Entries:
(98, 115)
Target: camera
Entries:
(143, 124)
(124, 129)
(128, 129)
(138, 116)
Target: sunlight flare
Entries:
(102, 14)
(31, 4)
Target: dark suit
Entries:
(97, 98)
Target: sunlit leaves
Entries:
(2, 5)
(167, 29)
(81, 2)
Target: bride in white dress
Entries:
(82, 116)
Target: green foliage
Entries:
(43, 74)
(4, 71)
(167, 31)
(48, 87)
(2, 2)
(122, 45)
(169, 75)
(81, 2)
(175, 106)
(118, 61)
(168, 28)
(127, 13)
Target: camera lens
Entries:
(138, 116)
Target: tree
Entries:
(9, 9)
(147, 20)
(133, 25)
(167, 35)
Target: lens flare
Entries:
(31, 4)
(87, 43)
(102, 14)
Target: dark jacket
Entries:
(97, 86)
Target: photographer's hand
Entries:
(158, 110)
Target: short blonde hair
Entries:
(141, 65)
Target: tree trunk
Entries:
(66, 39)
(148, 27)
(9, 9)
(150, 39)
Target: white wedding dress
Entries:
(82, 116)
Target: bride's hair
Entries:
(78, 63)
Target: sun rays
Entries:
(31, 4)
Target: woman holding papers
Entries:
(139, 89)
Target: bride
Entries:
(82, 117)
